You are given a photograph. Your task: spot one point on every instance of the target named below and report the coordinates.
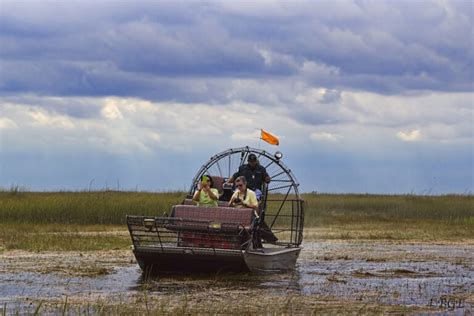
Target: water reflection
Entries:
(278, 283)
(52, 285)
(394, 274)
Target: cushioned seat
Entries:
(218, 183)
(241, 216)
(211, 227)
(191, 202)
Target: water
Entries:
(399, 274)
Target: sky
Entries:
(365, 96)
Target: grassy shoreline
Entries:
(56, 221)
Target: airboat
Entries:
(214, 239)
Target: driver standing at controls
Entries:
(254, 173)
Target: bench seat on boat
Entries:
(211, 227)
(191, 202)
(230, 215)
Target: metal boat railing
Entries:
(285, 217)
(172, 232)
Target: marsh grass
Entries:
(103, 207)
(323, 209)
(60, 220)
(387, 217)
(62, 237)
(390, 217)
(179, 304)
(111, 207)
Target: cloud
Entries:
(6, 123)
(349, 119)
(324, 136)
(111, 111)
(158, 51)
(245, 137)
(54, 121)
(147, 133)
(409, 136)
(160, 80)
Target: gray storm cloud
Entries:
(98, 49)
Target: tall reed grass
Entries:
(324, 209)
(111, 207)
(103, 207)
(56, 220)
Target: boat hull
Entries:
(188, 260)
(271, 259)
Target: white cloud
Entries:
(318, 95)
(356, 125)
(110, 110)
(134, 126)
(324, 136)
(314, 69)
(410, 136)
(344, 119)
(277, 60)
(51, 120)
(155, 137)
(6, 123)
(246, 137)
(266, 55)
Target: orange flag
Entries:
(269, 138)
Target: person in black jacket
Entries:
(254, 173)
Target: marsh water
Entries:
(440, 276)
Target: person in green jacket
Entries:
(205, 194)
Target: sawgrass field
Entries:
(96, 220)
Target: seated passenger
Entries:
(205, 194)
(243, 197)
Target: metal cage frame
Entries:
(288, 186)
